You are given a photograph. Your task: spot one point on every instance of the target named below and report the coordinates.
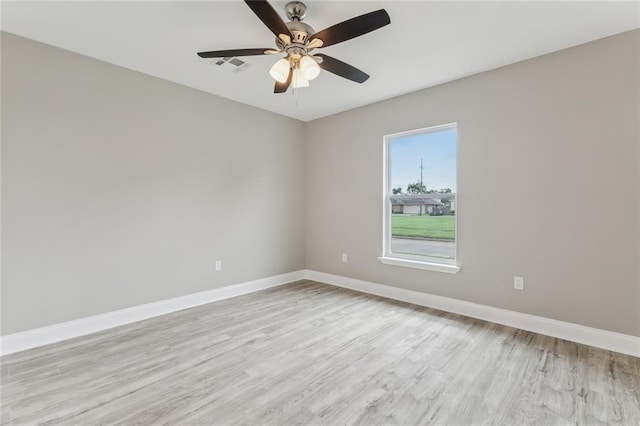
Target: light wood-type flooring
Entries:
(310, 353)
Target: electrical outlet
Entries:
(344, 257)
(518, 283)
(218, 265)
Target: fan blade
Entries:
(282, 87)
(342, 69)
(235, 52)
(352, 28)
(268, 16)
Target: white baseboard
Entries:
(611, 341)
(54, 333)
(616, 342)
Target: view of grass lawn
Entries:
(441, 227)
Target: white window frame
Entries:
(405, 260)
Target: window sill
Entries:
(438, 267)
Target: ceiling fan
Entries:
(296, 40)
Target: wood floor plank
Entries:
(310, 353)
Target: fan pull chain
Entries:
(293, 94)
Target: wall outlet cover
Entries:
(518, 283)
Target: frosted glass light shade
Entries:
(299, 80)
(280, 70)
(310, 69)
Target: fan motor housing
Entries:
(300, 33)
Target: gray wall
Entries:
(120, 189)
(548, 186)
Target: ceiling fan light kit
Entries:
(299, 79)
(280, 70)
(310, 68)
(297, 39)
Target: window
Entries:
(420, 199)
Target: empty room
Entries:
(320, 212)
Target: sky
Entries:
(437, 150)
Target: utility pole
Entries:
(421, 186)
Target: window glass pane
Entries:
(423, 194)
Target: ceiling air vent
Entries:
(230, 64)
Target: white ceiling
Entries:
(426, 44)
